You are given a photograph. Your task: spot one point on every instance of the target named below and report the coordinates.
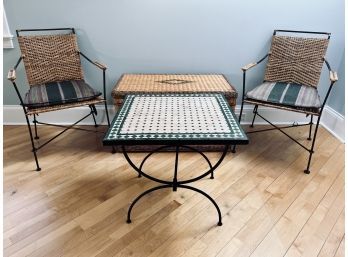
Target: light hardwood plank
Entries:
(340, 251)
(316, 230)
(285, 189)
(248, 200)
(287, 228)
(335, 240)
(77, 205)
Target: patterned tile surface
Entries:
(174, 117)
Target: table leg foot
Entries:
(219, 223)
(129, 221)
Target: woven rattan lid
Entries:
(173, 83)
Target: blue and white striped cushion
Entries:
(289, 94)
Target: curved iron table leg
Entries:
(141, 172)
(169, 182)
(174, 184)
(208, 196)
(140, 196)
(148, 155)
(183, 146)
(204, 156)
(210, 170)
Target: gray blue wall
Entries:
(336, 100)
(174, 36)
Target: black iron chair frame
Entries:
(93, 110)
(175, 184)
(333, 79)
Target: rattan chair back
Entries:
(50, 58)
(296, 60)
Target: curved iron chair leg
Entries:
(307, 171)
(239, 119)
(108, 119)
(32, 143)
(241, 108)
(207, 196)
(255, 112)
(106, 107)
(35, 121)
(140, 196)
(310, 128)
(94, 113)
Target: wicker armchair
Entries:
(291, 79)
(54, 73)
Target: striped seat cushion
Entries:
(289, 94)
(54, 93)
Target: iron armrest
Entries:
(96, 63)
(11, 75)
(333, 74)
(250, 65)
(100, 65)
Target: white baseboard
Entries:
(276, 116)
(8, 41)
(331, 120)
(334, 122)
(13, 115)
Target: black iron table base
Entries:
(175, 183)
(178, 121)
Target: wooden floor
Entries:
(77, 204)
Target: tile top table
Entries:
(175, 120)
(169, 118)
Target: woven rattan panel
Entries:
(172, 83)
(50, 58)
(296, 60)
